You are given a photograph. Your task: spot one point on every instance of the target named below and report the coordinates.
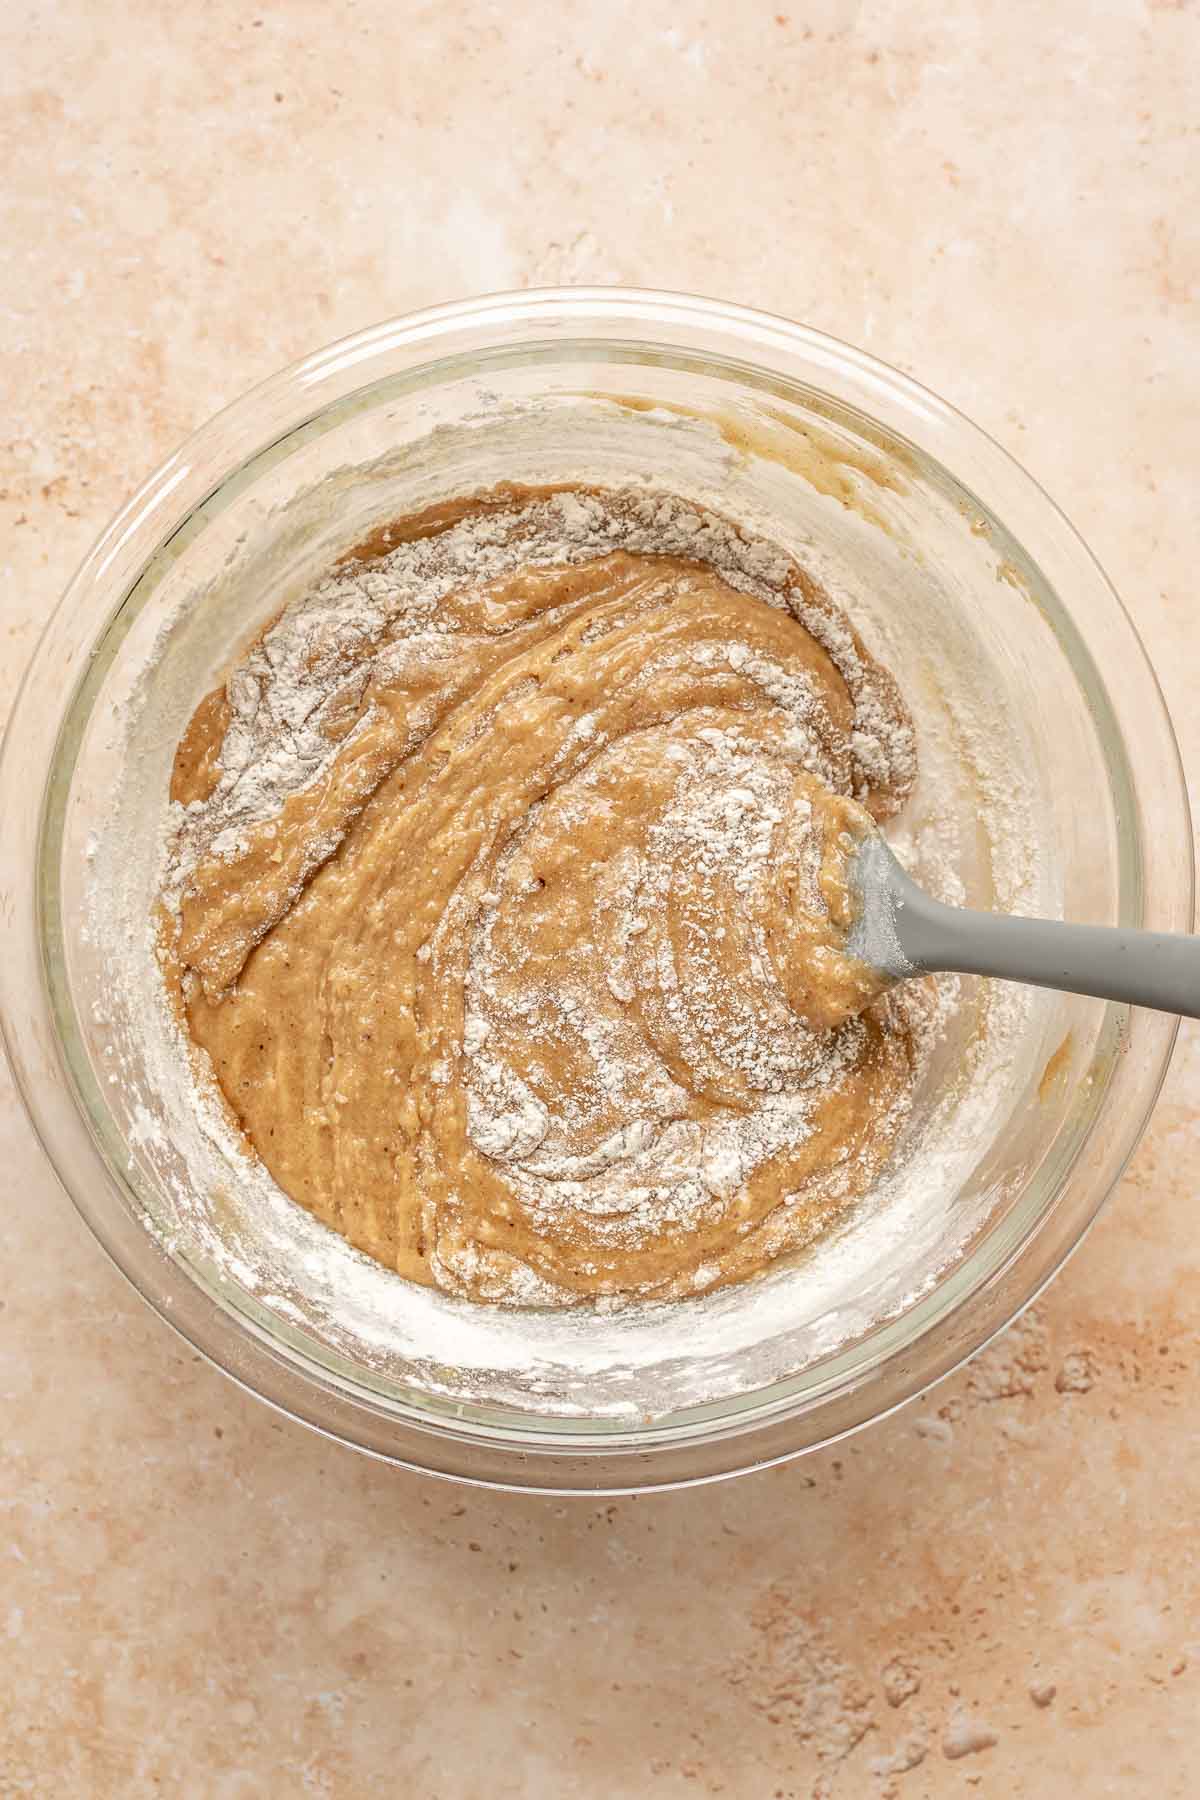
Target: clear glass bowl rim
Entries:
(902, 1358)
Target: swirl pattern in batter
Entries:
(505, 897)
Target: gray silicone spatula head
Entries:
(900, 931)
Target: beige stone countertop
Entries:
(997, 1590)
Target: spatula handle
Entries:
(1142, 968)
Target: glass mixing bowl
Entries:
(1050, 780)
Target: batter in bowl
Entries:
(504, 900)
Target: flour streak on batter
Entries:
(506, 899)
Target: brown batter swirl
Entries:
(523, 967)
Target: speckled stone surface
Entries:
(997, 1590)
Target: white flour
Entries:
(620, 1148)
(308, 665)
(270, 1261)
(661, 1168)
